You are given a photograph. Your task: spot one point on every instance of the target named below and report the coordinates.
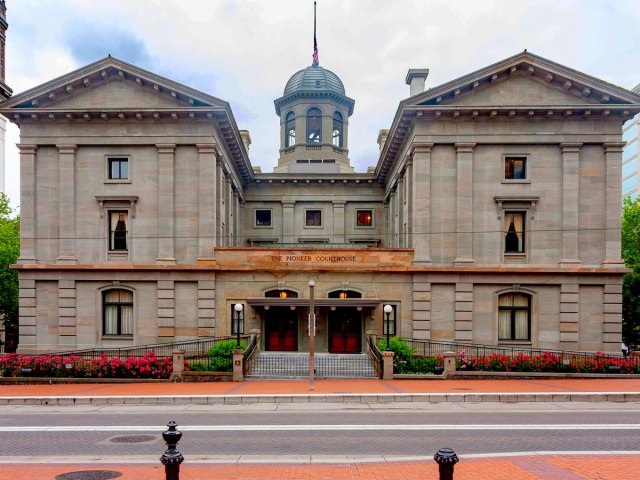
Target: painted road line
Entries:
(306, 428)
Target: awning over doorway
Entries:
(319, 302)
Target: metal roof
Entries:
(314, 78)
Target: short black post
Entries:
(172, 458)
(446, 459)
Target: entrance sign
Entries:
(314, 258)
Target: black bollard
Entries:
(446, 459)
(172, 458)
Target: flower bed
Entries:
(547, 362)
(56, 366)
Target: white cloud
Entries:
(245, 51)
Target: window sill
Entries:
(264, 226)
(117, 181)
(515, 258)
(118, 256)
(515, 343)
(508, 180)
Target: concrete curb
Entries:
(324, 398)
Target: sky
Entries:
(244, 51)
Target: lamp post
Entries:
(388, 309)
(312, 333)
(238, 309)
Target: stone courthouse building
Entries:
(492, 215)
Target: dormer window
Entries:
(337, 129)
(314, 125)
(290, 129)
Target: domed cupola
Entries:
(314, 111)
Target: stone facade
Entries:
(492, 215)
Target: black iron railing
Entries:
(250, 355)
(376, 356)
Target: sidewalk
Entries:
(534, 467)
(332, 391)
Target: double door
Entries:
(281, 330)
(345, 330)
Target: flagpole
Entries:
(315, 43)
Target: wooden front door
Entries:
(281, 330)
(345, 330)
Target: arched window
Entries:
(344, 294)
(290, 129)
(117, 312)
(314, 125)
(281, 294)
(514, 316)
(337, 129)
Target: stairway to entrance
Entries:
(273, 365)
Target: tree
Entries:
(9, 251)
(631, 285)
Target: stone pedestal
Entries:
(238, 359)
(387, 365)
(449, 362)
(178, 365)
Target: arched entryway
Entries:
(345, 325)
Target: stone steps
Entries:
(271, 365)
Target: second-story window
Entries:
(313, 218)
(337, 129)
(314, 125)
(263, 218)
(364, 218)
(118, 229)
(514, 232)
(515, 168)
(290, 129)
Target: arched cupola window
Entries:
(314, 125)
(290, 129)
(337, 129)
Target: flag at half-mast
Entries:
(316, 62)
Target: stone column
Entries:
(400, 199)
(338, 222)
(393, 220)
(236, 218)
(166, 230)
(219, 204)
(229, 213)
(27, 203)
(420, 214)
(613, 208)
(67, 214)
(387, 224)
(288, 221)
(464, 203)
(570, 202)
(408, 205)
(206, 199)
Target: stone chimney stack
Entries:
(5, 91)
(416, 79)
(382, 137)
(246, 139)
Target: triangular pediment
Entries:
(111, 84)
(525, 79)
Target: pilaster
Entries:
(288, 221)
(27, 203)
(420, 212)
(207, 307)
(421, 307)
(400, 203)
(464, 203)
(206, 199)
(67, 312)
(166, 309)
(612, 322)
(570, 201)
(464, 312)
(613, 207)
(338, 221)
(27, 314)
(229, 212)
(569, 316)
(67, 213)
(166, 244)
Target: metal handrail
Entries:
(375, 355)
(249, 356)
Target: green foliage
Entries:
(221, 356)
(9, 252)
(403, 353)
(424, 364)
(631, 286)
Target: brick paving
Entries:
(550, 467)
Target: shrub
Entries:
(423, 364)
(403, 353)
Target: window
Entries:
(514, 316)
(290, 129)
(630, 150)
(515, 168)
(118, 312)
(364, 218)
(263, 218)
(337, 129)
(313, 218)
(314, 125)
(281, 293)
(118, 168)
(514, 232)
(389, 324)
(118, 222)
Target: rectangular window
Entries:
(514, 314)
(313, 218)
(515, 168)
(630, 167)
(389, 324)
(118, 168)
(118, 230)
(118, 312)
(514, 230)
(630, 150)
(364, 218)
(263, 218)
(630, 133)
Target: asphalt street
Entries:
(296, 430)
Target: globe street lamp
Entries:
(388, 309)
(238, 309)
(312, 333)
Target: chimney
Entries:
(5, 91)
(416, 78)
(382, 137)
(246, 139)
